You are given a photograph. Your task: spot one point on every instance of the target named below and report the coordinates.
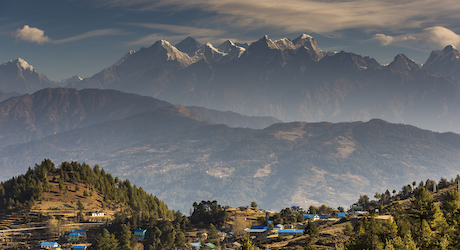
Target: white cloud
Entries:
(432, 37)
(317, 16)
(93, 33)
(31, 34)
(179, 32)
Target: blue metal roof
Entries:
(74, 234)
(259, 227)
(293, 231)
(79, 247)
(78, 231)
(310, 216)
(48, 243)
(140, 230)
(256, 230)
(341, 214)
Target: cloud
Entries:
(431, 37)
(93, 33)
(308, 15)
(31, 34)
(179, 32)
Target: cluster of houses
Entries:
(57, 246)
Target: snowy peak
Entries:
(163, 48)
(402, 63)
(448, 54)
(309, 43)
(284, 44)
(232, 50)
(24, 65)
(19, 63)
(189, 46)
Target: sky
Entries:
(63, 38)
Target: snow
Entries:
(24, 65)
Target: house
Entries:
(340, 215)
(278, 227)
(81, 232)
(311, 217)
(97, 214)
(80, 247)
(50, 245)
(288, 232)
(222, 235)
(255, 232)
(323, 216)
(73, 237)
(139, 234)
(196, 245)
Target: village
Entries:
(244, 221)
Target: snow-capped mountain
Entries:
(19, 76)
(291, 80)
(446, 62)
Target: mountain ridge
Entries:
(192, 159)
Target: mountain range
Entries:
(181, 156)
(290, 80)
(191, 121)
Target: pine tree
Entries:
(247, 244)
(106, 241)
(125, 238)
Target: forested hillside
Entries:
(426, 216)
(22, 191)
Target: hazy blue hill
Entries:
(181, 157)
(51, 111)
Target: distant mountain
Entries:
(51, 111)
(18, 76)
(446, 62)
(233, 119)
(292, 80)
(181, 157)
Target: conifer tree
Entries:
(106, 241)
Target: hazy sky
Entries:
(64, 38)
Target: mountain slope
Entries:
(292, 80)
(50, 111)
(18, 76)
(178, 155)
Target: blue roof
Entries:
(259, 227)
(74, 234)
(291, 231)
(140, 230)
(341, 214)
(48, 243)
(310, 216)
(196, 244)
(78, 231)
(269, 222)
(323, 216)
(79, 247)
(256, 230)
